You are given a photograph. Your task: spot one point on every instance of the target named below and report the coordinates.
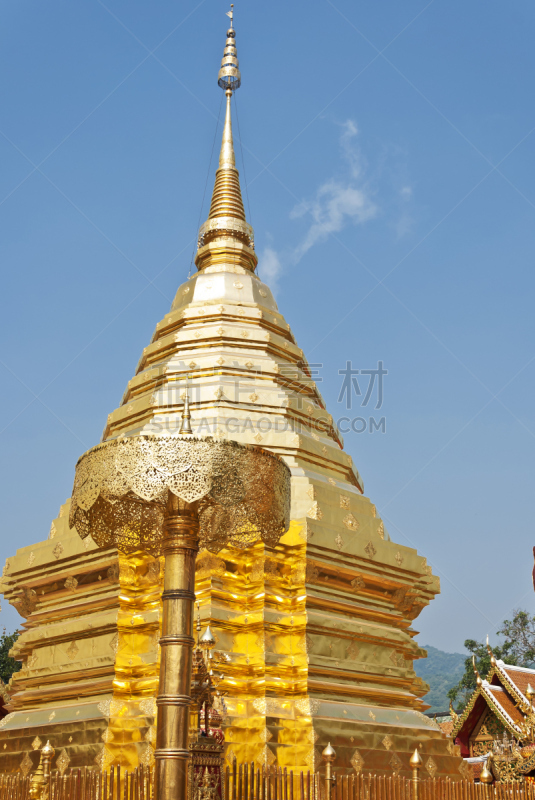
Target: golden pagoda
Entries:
(313, 636)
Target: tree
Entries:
(520, 633)
(518, 648)
(460, 694)
(8, 665)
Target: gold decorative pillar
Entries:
(180, 546)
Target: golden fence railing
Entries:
(252, 782)
(82, 784)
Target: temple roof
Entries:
(504, 693)
(520, 677)
(503, 704)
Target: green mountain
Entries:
(441, 671)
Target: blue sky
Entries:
(388, 150)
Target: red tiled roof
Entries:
(520, 678)
(504, 701)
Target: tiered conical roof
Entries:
(225, 239)
(225, 333)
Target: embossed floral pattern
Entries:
(121, 487)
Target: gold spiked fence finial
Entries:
(329, 756)
(416, 764)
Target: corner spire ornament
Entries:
(226, 240)
(491, 654)
(476, 673)
(185, 425)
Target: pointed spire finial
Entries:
(229, 75)
(226, 240)
(207, 640)
(185, 425)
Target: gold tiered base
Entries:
(89, 650)
(306, 665)
(306, 658)
(80, 740)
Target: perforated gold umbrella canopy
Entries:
(169, 495)
(121, 490)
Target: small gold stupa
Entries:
(314, 636)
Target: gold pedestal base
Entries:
(293, 733)
(77, 744)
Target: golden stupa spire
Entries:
(226, 240)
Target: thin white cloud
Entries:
(335, 205)
(338, 203)
(351, 200)
(405, 221)
(351, 152)
(271, 267)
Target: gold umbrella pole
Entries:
(180, 546)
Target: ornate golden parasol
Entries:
(169, 495)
